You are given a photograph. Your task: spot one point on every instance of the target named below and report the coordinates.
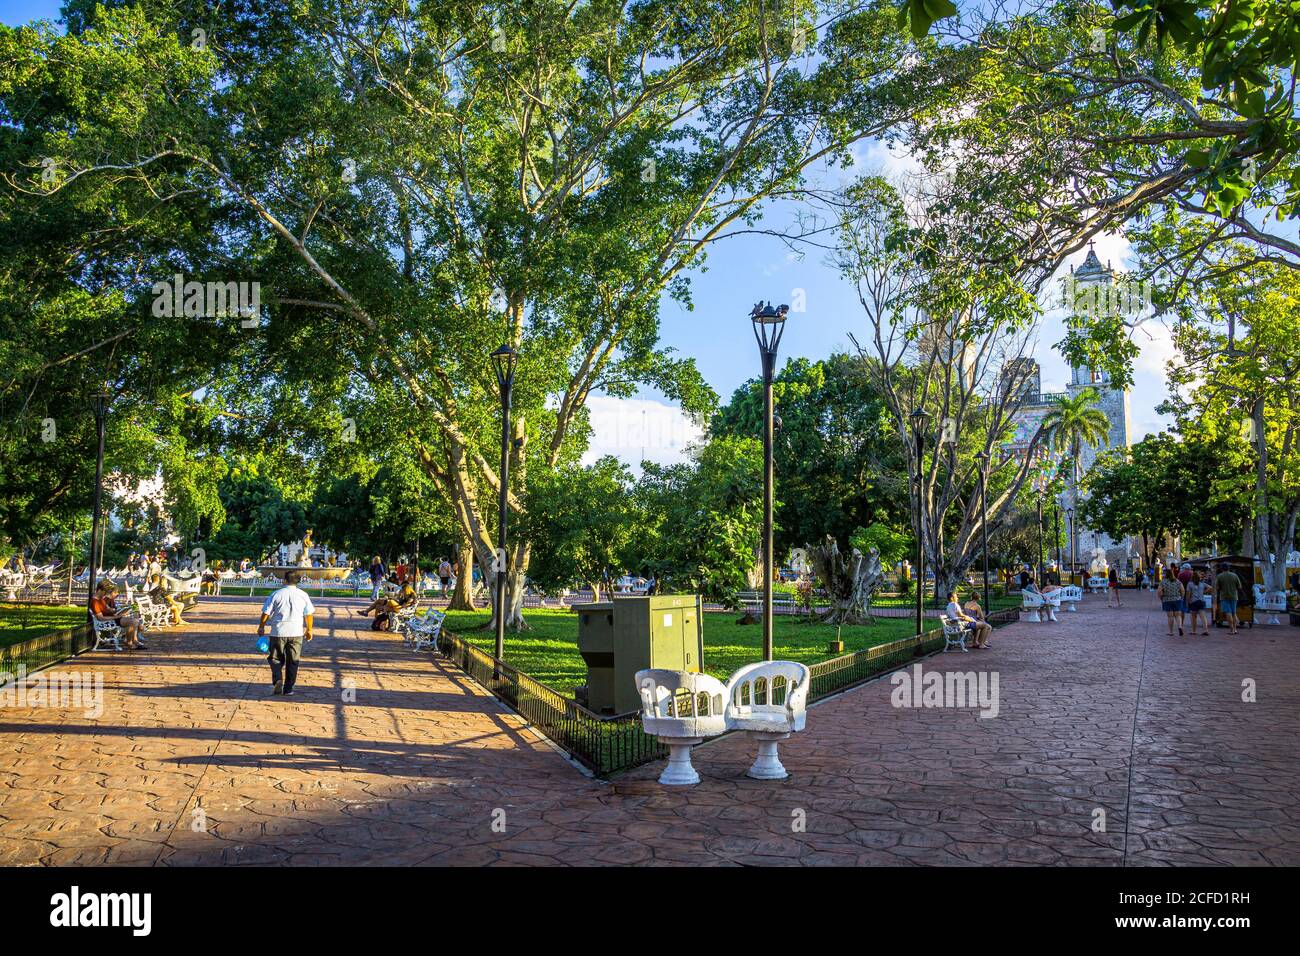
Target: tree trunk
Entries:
(850, 582)
(462, 596)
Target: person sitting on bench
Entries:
(104, 607)
(385, 607)
(982, 629)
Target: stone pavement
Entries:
(1113, 745)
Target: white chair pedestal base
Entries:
(767, 765)
(679, 772)
(1071, 607)
(1031, 615)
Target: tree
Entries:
(1240, 393)
(425, 181)
(836, 460)
(946, 333)
(849, 580)
(703, 519)
(1164, 486)
(583, 523)
(1072, 423)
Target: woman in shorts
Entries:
(1197, 595)
(1170, 590)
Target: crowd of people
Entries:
(1185, 591)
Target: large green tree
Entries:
(417, 183)
(837, 459)
(584, 525)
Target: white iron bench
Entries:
(954, 632)
(422, 629)
(107, 633)
(768, 700)
(1098, 584)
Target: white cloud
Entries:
(636, 429)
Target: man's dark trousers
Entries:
(285, 652)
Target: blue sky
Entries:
(717, 333)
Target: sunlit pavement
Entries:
(1113, 745)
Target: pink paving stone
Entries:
(1101, 711)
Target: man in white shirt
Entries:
(289, 611)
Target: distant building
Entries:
(943, 342)
(1022, 376)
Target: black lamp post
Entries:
(1056, 536)
(1069, 531)
(1038, 577)
(504, 361)
(983, 459)
(769, 325)
(919, 421)
(99, 403)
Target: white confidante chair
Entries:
(1271, 603)
(1031, 605)
(1071, 595)
(681, 709)
(768, 700)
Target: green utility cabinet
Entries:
(620, 637)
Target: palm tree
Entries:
(1072, 423)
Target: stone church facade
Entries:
(1090, 279)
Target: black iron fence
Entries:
(30, 655)
(603, 744)
(608, 745)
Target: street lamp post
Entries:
(1039, 575)
(1056, 534)
(983, 459)
(769, 325)
(1069, 515)
(504, 361)
(919, 421)
(99, 402)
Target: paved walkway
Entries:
(1113, 745)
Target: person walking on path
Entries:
(290, 612)
(1227, 586)
(444, 575)
(1171, 602)
(376, 577)
(1112, 587)
(1197, 591)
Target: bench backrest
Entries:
(681, 704)
(769, 687)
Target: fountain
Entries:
(304, 566)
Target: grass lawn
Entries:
(18, 622)
(549, 652)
